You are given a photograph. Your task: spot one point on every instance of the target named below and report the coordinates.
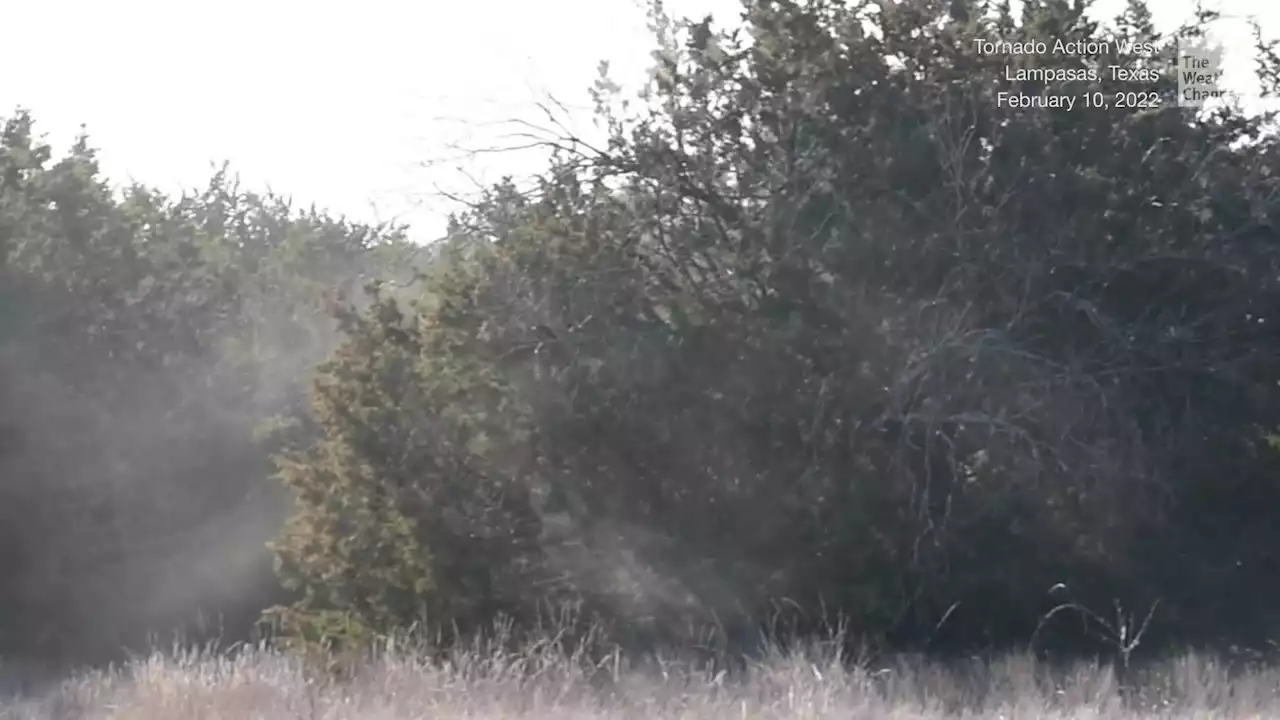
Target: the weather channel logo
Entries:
(1199, 69)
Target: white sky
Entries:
(343, 104)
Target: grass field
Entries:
(548, 682)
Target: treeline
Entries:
(146, 344)
(821, 331)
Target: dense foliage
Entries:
(821, 330)
(825, 330)
(144, 340)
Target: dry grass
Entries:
(548, 682)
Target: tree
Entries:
(827, 321)
(142, 340)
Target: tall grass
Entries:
(549, 680)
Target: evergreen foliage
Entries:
(822, 330)
(144, 340)
(825, 328)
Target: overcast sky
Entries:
(353, 106)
